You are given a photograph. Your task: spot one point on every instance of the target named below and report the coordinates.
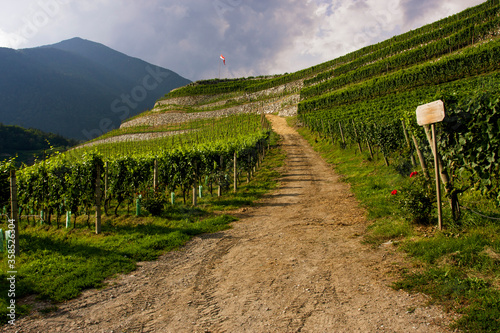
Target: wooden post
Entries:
(195, 185)
(420, 157)
(249, 172)
(194, 194)
(235, 173)
(445, 179)
(155, 175)
(13, 210)
(356, 135)
(430, 114)
(98, 201)
(369, 148)
(408, 143)
(106, 181)
(386, 161)
(438, 183)
(342, 134)
(444, 175)
(219, 190)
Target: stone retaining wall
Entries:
(286, 106)
(160, 119)
(133, 137)
(292, 87)
(188, 100)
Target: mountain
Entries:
(78, 88)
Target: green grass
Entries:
(467, 250)
(476, 299)
(56, 264)
(458, 267)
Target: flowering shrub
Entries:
(416, 199)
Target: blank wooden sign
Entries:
(430, 113)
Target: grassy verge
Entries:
(56, 264)
(458, 267)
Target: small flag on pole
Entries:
(223, 59)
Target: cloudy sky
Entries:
(187, 36)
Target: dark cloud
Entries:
(190, 37)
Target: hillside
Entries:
(77, 88)
(338, 225)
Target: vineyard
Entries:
(371, 101)
(70, 182)
(361, 104)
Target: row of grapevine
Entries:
(61, 184)
(67, 181)
(223, 87)
(431, 44)
(195, 132)
(407, 59)
(481, 59)
(437, 26)
(470, 140)
(468, 137)
(394, 106)
(5, 168)
(385, 137)
(241, 85)
(403, 42)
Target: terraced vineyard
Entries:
(362, 104)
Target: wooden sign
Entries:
(430, 113)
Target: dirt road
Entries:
(295, 263)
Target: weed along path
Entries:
(294, 263)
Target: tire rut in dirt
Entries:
(205, 286)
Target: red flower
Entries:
(394, 192)
(413, 174)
